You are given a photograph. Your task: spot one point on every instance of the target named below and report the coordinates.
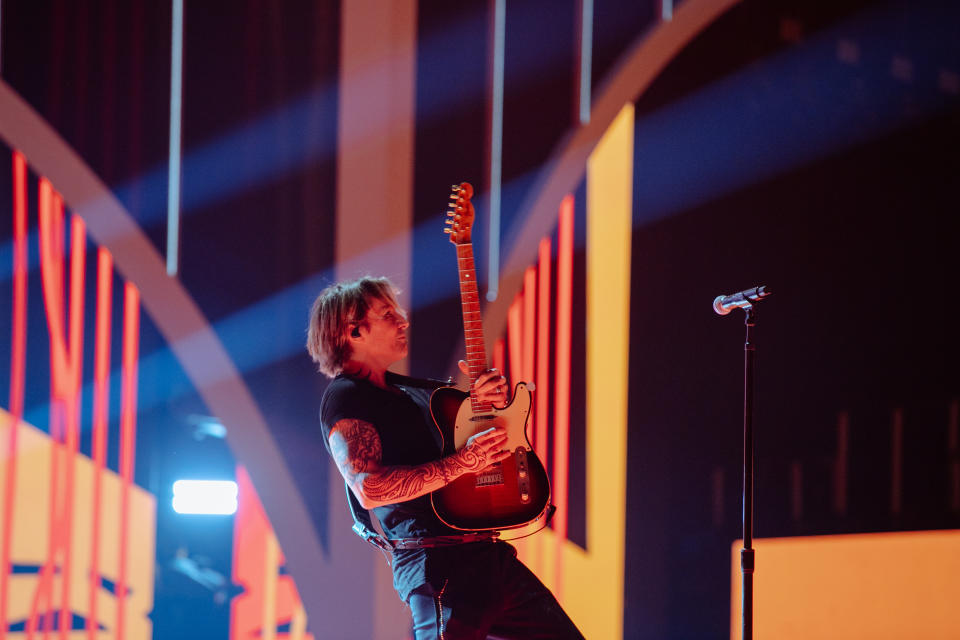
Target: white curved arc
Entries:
(635, 72)
(186, 330)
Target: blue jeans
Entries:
(496, 596)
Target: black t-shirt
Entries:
(408, 436)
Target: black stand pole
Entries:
(747, 554)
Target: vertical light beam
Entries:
(496, 148)
(608, 262)
(173, 181)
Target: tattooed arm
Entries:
(356, 450)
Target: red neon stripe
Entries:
(72, 401)
(51, 273)
(499, 356)
(128, 415)
(527, 342)
(561, 410)
(514, 325)
(527, 346)
(239, 549)
(18, 350)
(515, 341)
(101, 397)
(543, 349)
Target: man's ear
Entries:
(355, 331)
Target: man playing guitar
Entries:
(377, 425)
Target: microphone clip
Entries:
(745, 300)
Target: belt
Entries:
(443, 541)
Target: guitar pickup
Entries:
(523, 474)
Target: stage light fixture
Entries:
(205, 497)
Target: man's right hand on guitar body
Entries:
(484, 449)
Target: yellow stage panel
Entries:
(880, 585)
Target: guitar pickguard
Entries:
(513, 417)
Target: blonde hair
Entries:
(336, 311)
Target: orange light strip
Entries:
(128, 416)
(514, 327)
(561, 411)
(101, 396)
(543, 349)
(18, 350)
(527, 341)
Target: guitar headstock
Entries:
(460, 214)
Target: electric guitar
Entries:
(508, 494)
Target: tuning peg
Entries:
(448, 230)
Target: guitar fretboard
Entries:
(472, 323)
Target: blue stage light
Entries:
(205, 497)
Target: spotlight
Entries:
(206, 497)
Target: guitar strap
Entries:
(363, 524)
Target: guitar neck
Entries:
(472, 322)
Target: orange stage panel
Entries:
(879, 585)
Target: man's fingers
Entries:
(489, 433)
(491, 377)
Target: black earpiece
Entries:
(356, 332)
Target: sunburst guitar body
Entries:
(506, 495)
(515, 491)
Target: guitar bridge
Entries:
(491, 477)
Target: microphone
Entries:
(725, 304)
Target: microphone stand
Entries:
(746, 300)
(747, 553)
